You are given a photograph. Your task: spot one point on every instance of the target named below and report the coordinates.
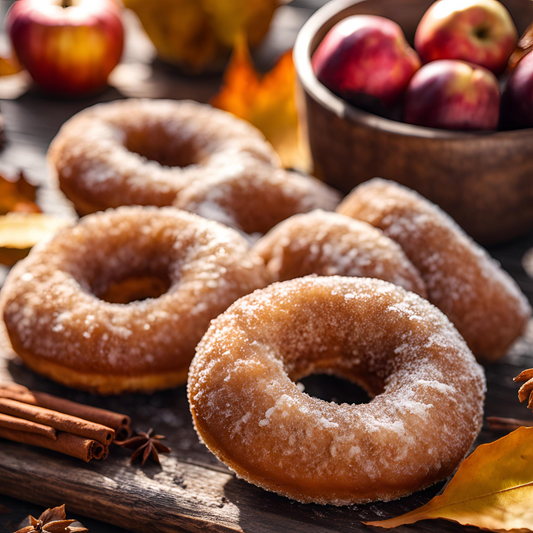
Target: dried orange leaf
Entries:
(20, 231)
(17, 195)
(492, 489)
(268, 102)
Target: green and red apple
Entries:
(365, 58)
(478, 31)
(453, 95)
(68, 46)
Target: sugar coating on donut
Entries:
(254, 198)
(427, 390)
(53, 311)
(328, 244)
(479, 297)
(143, 152)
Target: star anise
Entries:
(526, 390)
(52, 521)
(146, 444)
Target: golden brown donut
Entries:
(462, 280)
(330, 244)
(68, 306)
(427, 390)
(144, 152)
(256, 200)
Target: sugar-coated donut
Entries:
(330, 244)
(144, 151)
(428, 390)
(68, 306)
(256, 200)
(462, 280)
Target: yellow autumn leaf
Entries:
(268, 102)
(198, 34)
(492, 489)
(231, 17)
(19, 232)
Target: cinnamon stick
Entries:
(82, 448)
(119, 422)
(12, 422)
(60, 421)
(507, 424)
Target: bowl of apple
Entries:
(422, 93)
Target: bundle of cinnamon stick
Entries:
(47, 421)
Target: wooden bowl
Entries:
(483, 180)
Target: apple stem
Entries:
(482, 33)
(66, 3)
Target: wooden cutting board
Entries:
(193, 491)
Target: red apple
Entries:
(453, 95)
(478, 31)
(517, 99)
(68, 46)
(365, 57)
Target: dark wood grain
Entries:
(192, 491)
(485, 181)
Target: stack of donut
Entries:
(387, 292)
(162, 153)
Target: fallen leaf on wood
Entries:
(268, 102)
(492, 489)
(17, 195)
(19, 232)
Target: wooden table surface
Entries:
(192, 483)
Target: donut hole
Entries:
(134, 288)
(120, 267)
(157, 144)
(123, 283)
(334, 389)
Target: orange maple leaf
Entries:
(268, 102)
